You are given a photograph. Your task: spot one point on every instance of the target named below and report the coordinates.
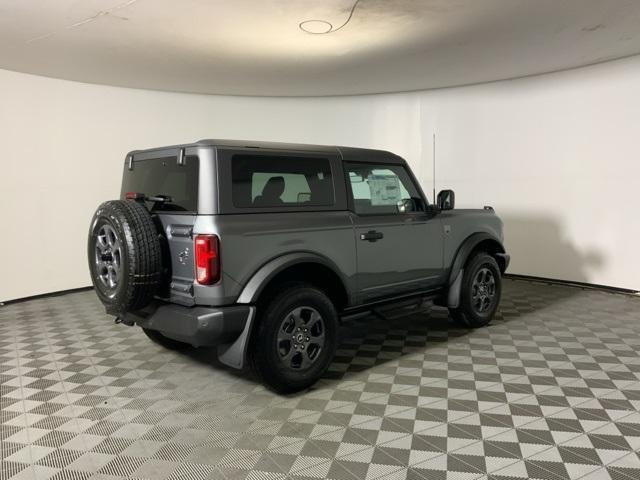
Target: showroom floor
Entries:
(550, 390)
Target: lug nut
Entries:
(307, 339)
(301, 347)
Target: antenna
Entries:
(434, 168)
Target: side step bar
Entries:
(383, 308)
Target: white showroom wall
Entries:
(554, 154)
(64, 145)
(557, 156)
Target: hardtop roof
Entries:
(347, 153)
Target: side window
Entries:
(382, 189)
(260, 181)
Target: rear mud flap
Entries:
(234, 354)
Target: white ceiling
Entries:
(255, 47)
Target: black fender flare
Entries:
(234, 354)
(261, 278)
(496, 249)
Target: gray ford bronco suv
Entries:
(261, 249)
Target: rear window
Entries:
(164, 177)
(260, 181)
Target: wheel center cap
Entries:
(299, 338)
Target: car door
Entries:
(398, 240)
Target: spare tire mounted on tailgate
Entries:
(125, 259)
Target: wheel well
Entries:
(313, 273)
(492, 247)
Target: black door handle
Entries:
(371, 236)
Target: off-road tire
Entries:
(166, 342)
(264, 352)
(140, 257)
(466, 313)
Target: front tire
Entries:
(480, 292)
(296, 338)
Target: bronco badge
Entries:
(183, 256)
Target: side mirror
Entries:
(446, 200)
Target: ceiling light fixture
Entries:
(322, 27)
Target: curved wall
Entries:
(555, 155)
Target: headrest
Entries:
(274, 187)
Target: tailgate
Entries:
(172, 184)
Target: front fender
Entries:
(462, 255)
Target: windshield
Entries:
(163, 177)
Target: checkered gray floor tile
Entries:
(551, 390)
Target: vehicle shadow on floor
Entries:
(371, 342)
(536, 244)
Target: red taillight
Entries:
(207, 259)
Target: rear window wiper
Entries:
(161, 202)
(160, 198)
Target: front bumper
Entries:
(198, 326)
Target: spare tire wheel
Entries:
(125, 257)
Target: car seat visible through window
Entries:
(271, 193)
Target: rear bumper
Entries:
(198, 326)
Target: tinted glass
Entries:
(269, 181)
(382, 189)
(163, 176)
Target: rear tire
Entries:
(480, 292)
(295, 339)
(166, 342)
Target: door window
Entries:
(382, 189)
